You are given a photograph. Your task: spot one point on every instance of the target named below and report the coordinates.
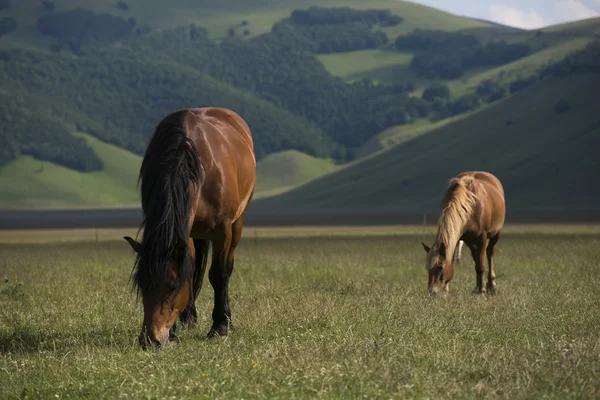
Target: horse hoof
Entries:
(479, 291)
(219, 331)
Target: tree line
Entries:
(342, 15)
(448, 55)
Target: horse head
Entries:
(163, 299)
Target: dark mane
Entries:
(171, 164)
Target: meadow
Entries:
(318, 312)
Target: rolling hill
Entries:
(544, 157)
(32, 184)
(293, 98)
(27, 183)
(282, 171)
(218, 17)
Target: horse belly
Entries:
(498, 211)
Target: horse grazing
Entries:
(473, 211)
(197, 180)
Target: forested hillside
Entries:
(112, 70)
(112, 79)
(541, 142)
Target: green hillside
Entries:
(544, 157)
(218, 17)
(282, 171)
(30, 183)
(392, 66)
(33, 184)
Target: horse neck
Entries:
(456, 212)
(449, 238)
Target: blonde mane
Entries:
(458, 204)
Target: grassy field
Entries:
(375, 64)
(330, 316)
(538, 153)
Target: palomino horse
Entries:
(473, 211)
(197, 180)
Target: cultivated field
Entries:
(318, 313)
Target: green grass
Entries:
(30, 183)
(218, 17)
(375, 64)
(543, 157)
(402, 133)
(330, 317)
(284, 170)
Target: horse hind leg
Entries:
(491, 283)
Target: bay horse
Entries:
(473, 211)
(197, 178)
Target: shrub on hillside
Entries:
(465, 104)
(344, 37)
(491, 91)
(436, 91)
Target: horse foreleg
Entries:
(478, 253)
(218, 276)
(198, 251)
(491, 284)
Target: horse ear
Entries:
(425, 247)
(136, 246)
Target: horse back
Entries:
(491, 197)
(226, 151)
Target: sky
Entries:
(527, 14)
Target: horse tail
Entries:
(170, 168)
